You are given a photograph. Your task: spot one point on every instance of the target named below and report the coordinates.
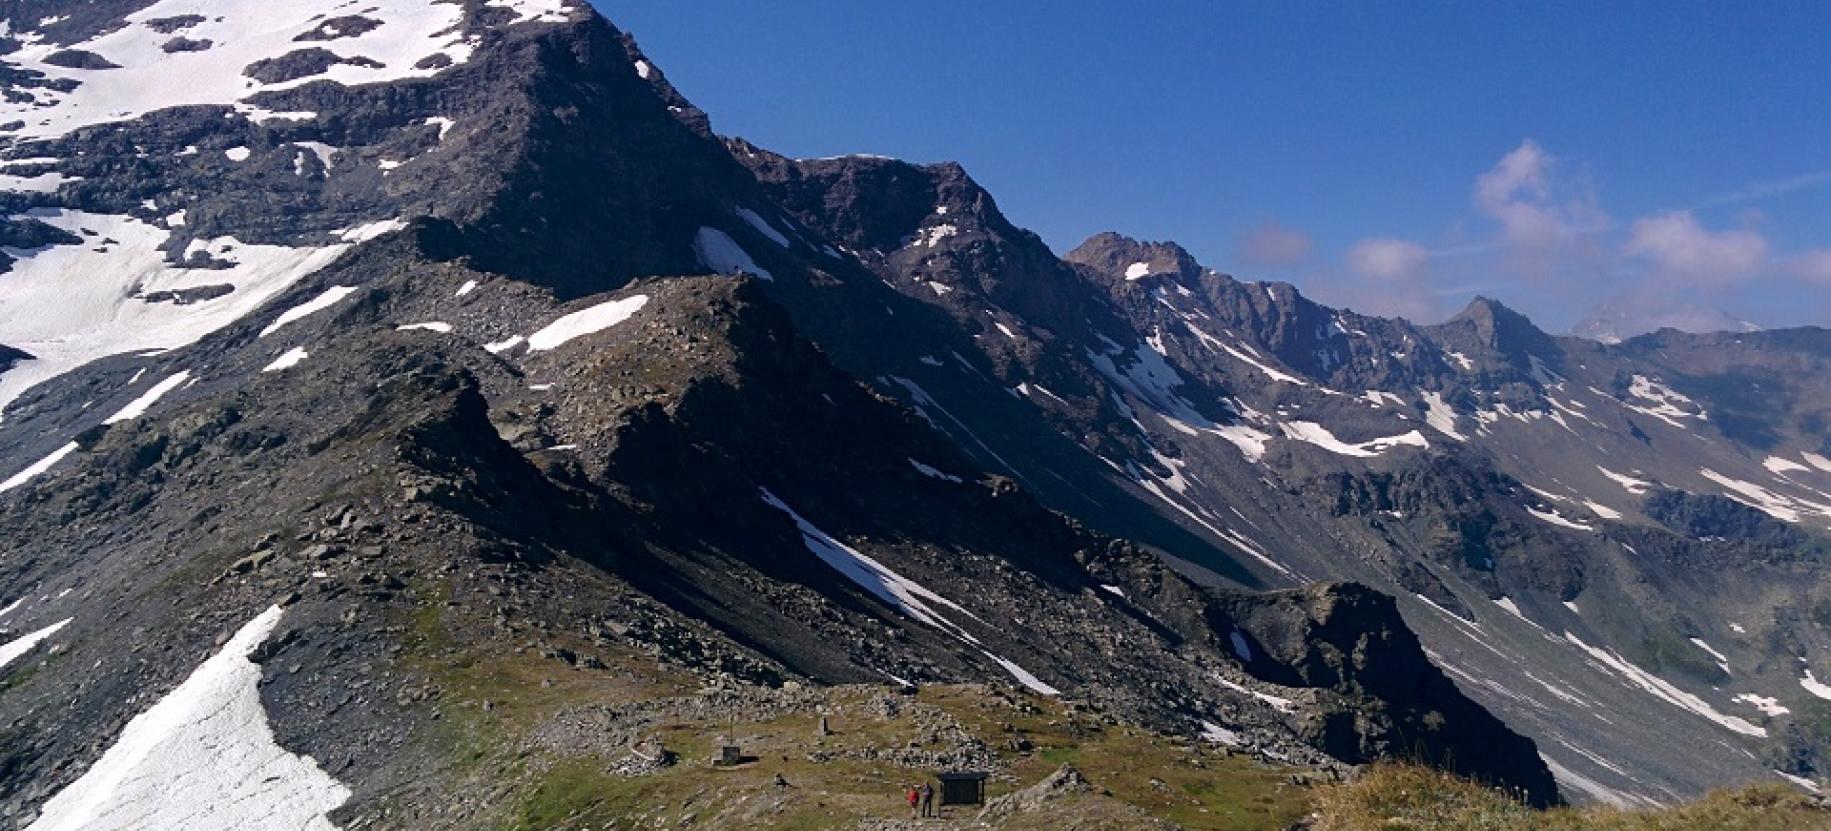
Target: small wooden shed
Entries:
(962, 787)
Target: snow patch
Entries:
(139, 406)
(1558, 519)
(1776, 464)
(1815, 687)
(716, 250)
(907, 596)
(762, 225)
(1570, 780)
(1441, 416)
(434, 326)
(291, 358)
(329, 298)
(202, 758)
(1316, 434)
(1768, 706)
(1216, 734)
(1778, 506)
(503, 345)
(1800, 781)
(444, 124)
(11, 650)
(1023, 676)
(1633, 485)
(38, 468)
(1663, 402)
(584, 322)
(1137, 271)
(1277, 703)
(934, 473)
(1722, 660)
(68, 305)
(243, 32)
(931, 237)
(534, 11)
(1601, 510)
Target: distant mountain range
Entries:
(1618, 320)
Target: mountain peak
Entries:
(1121, 257)
(1504, 330)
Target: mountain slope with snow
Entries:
(451, 330)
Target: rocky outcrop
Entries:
(1351, 641)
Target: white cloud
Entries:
(1763, 190)
(1682, 247)
(1521, 194)
(1813, 266)
(1271, 245)
(1388, 259)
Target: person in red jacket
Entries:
(915, 799)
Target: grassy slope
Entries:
(1397, 798)
(854, 777)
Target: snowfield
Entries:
(203, 759)
(242, 32)
(68, 305)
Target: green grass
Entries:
(1403, 798)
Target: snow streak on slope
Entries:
(11, 650)
(585, 322)
(762, 225)
(139, 406)
(38, 468)
(68, 305)
(1440, 416)
(1664, 690)
(239, 33)
(202, 759)
(1781, 507)
(1663, 402)
(329, 298)
(909, 597)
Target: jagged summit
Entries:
(1123, 258)
(1503, 330)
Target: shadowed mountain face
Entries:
(436, 334)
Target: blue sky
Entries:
(1394, 157)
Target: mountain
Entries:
(1618, 320)
(416, 404)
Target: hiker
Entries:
(928, 800)
(915, 798)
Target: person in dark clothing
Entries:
(928, 799)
